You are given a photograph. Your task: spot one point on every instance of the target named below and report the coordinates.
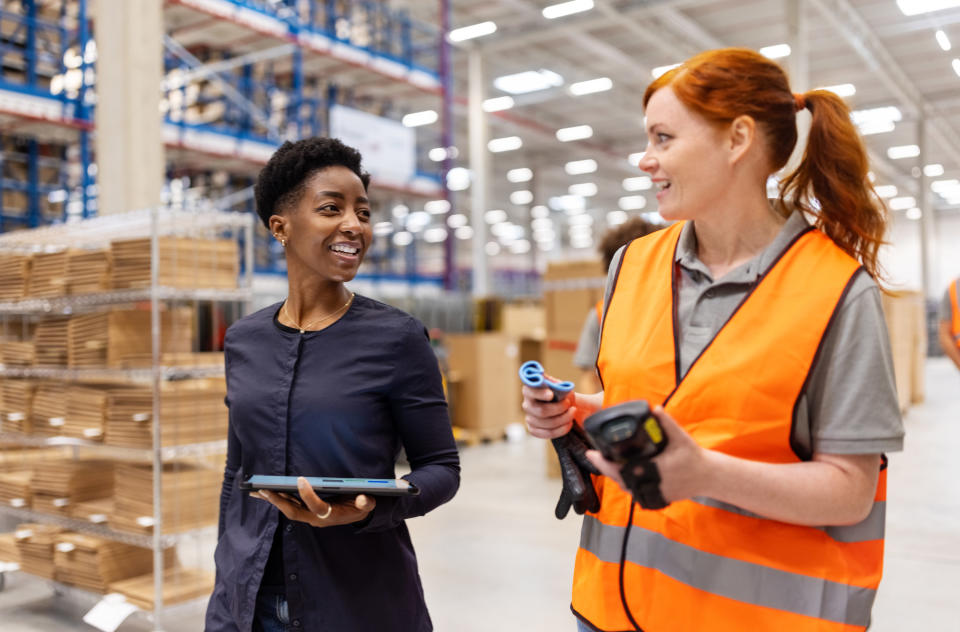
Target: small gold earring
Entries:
(283, 242)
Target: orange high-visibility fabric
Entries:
(599, 310)
(955, 304)
(738, 397)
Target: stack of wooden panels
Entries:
(14, 276)
(183, 263)
(35, 545)
(48, 276)
(94, 563)
(191, 411)
(121, 338)
(17, 404)
(88, 271)
(179, 584)
(51, 342)
(190, 497)
(16, 352)
(19, 458)
(97, 511)
(15, 488)
(49, 411)
(86, 411)
(57, 486)
(8, 548)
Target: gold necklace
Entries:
(319, 320)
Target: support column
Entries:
(928, 229)
(798, 68)
(129, 141)
(480, 169)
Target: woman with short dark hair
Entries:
(332, 384)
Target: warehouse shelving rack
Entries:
(157, 224)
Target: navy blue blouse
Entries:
(338, 402)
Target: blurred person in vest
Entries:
(950, 322)
(755, 331)
(585, 357)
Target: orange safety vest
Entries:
(955, 304)
(701, 564)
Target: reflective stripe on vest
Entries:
(736, 569)
(955, 304)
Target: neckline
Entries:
(293, 330)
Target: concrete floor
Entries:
(496, 558)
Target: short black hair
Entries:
(621, 235)
(281, 180)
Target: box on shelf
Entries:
(487, 396)
(15, 490)
(48, 275)
(88, 271)
(191, 411)
(17, 352)
(14, 276)
(179, 584)
(49, 411)
(190, 497)
(58, 485)
(524, 320)
(35, 544)
(570, 290)
(183, 263)
(8, 548)
(17, 404)
(904, 314)
(51, 342)
(97, 511)
(120, 338)
(94, 563)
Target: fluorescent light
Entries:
(580, 167)
(492, 248)
(544, 235)
(659, 70)
(916, 7)
(437, 154)
(400, 211)
(956, 66)
(903, 151)
(495, 216)
(577, 132)
(521, 197)
(457, 220)
(435, 235)
(382, 229)
(528, 81)
(886, 191)
(458, 179)
(777, 51)
(541, 223)
(914, 213)
(601, 84)
(876, 127)
(437, 207)
(640, 183)
(520, 175)
(497, 104)
(901, 203)
(507, 143)
(581, 220)
(933, 170)
(568, 203)
(943, 40)
(417, 221)
(463, 232)
(653, 217)
(566, 8)
(403, 238)
(634, 159)
(842, 90)
(416, 119)
(520, 247)
(539, 212)
(615, 218)
(474, 30)
(632, 202)
(583, 189)
(885, 113)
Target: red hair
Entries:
(831, 180)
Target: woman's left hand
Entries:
(315, 511)
(682, 464)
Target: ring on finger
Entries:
(326, 514)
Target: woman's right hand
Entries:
(547, 420)
(316, 512)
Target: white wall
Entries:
(901, 259)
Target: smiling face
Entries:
(327, 230)
(688, 158)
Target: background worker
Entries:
(759, 341)
(585, 357)
(330, 384)
(949, 329)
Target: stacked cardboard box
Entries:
(50, 342)
(190, 497)
(48, 275)
(15, 490)
(487, 396)
(59, 485)
(8, 548)
(120, 338)
(49, 411)
(94, 563)
(179, 584)
(904, 313)
(35, 544)
(17, 404)
(97, 511)
(183, 263)
(88, 271)
(14, 276)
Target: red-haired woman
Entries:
(756, 331)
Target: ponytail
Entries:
(831, 182)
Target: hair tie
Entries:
(799, 102)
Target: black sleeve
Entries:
(233, 460)
(420, 414)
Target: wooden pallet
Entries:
(476, 436)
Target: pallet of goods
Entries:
(183, 263)
(190, 497)
(94, 563)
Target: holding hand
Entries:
(316, 512)
(547, 419)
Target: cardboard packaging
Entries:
(488, 393)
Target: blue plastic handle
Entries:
(531, 374)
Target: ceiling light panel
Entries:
(580, 167)
(470, 32)
(416, 119)
(497, 104)
(507, 143)
(600, 84)
(562, 9)
(777, 51)
(577, 132)
(528, 81)
(916, 7)
(522, 174)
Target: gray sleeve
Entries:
(611, 277)
(851, 398)
(946, 310)
(585, 356)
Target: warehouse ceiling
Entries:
(892, 60)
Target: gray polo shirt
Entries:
(850, 404)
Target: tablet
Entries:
(325, 486)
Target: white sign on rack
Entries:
(388, 148)
(109, 612)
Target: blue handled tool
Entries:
(571, 448)
(531, 374)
